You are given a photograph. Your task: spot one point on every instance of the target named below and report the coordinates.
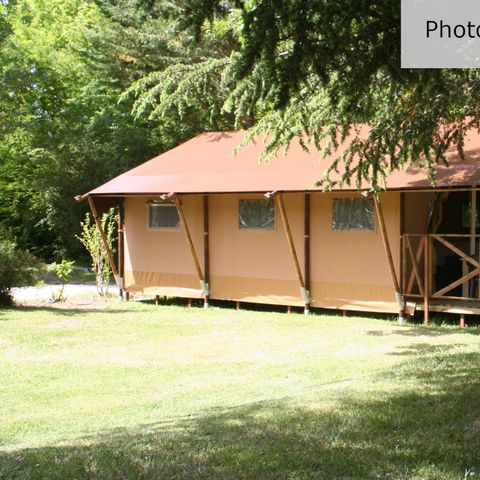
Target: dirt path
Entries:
(45, 292)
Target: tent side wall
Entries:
(253, 265)
(349, 269)
(157, 261)
(416, 211)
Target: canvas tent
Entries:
(206, 221)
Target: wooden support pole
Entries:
(388, 251)
(189, 303)
(289, 309)
(291, 245)
(306, 245)
(473, 231)
(462, 320)
(478, 287)
(206, 249)
(473, 220)
(237, 305)
(157, 299)
(191, 247)
(111, 261)
(403, 274)
(127, 296)
(426, 282)
(121, 246)
(403, 260)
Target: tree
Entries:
(326, 66)
(91, 239)
(17, 268)
(62, 129)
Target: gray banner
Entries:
(440, 33)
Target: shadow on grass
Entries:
(426, 428)
(420, 331)
(64, 311)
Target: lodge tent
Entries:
(208, 220)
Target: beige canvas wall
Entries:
(158, 261)
(348, 269)
(416, 208)
(253, 265)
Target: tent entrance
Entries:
(442, 263)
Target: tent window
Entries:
(163, 215)
(258, 214)
(353, 214)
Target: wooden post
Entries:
(237, 305)
(111, 261)
(157, 299)
(426, 282)
(121, 246)
(206, 249)
(402, 273)
(473, 231)
(188, 238)
(306, 245)
(388, 251)
(473, 220)
(478, 289)
(462, 320)
(288, 233)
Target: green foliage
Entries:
(62, 129)
(193, 92)
(63, 66)
(63, 270)
(313, 69)
(189, 86)
(17, 268)
(327, 66)
(91, 239)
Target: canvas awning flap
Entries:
(208, 164)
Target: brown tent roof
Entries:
(207, 163)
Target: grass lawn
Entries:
(134, 391)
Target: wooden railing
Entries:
(419, 266)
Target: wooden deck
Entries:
(462, 307)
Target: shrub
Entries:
(63, 270)
(17, 268)
(91, 239)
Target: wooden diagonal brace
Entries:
(98, 222)
(456, 250)
(415, 273)
(418, 257)
(456, 283)
(191, 247)
(386, 245)
(293, 252)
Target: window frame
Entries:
(161, 204)
(256, 229)
(353, 230)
